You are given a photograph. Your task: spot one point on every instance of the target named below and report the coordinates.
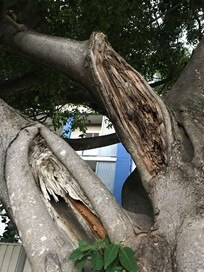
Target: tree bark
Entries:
(166, 145)
(69, 213)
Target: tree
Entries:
(44, 184)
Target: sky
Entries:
(2, 227)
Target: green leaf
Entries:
(80, 264)
(84, 246)
(97, 261)
(101, 242)
(110, 254)
(113, 266)
(127, 259)
(106, 240)
(76, 255)
(82, 243)
(36, 99)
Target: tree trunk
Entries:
(54, 191)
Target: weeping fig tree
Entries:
(53, 196)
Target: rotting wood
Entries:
(139, 116)
(55, 182)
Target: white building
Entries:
(112, 164)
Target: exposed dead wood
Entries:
(90, 217)
(55, 182)
(141, 119)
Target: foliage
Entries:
(10, 234)
(150, 35)
(104, 256)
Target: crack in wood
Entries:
(130, 104)
(56, 183)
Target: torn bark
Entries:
(138, 114)
(55, 181)
(69, 208)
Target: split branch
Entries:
(139, 115)
(26, 208)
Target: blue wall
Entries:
(67, 128)
(122, 171)
(122, 167)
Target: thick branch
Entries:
(158, 83)
(139, 115)
(94, 142)
(186, 98)
(10, 123)
(120, 230)
(49, 237)
(141, 119)
(26, 207)
(76, 94)
(65, 55)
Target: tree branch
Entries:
(121, 230)
(17, 172)
(186, 98)
(95, 65)
(65, 55)
(140, 117)
(94, 142)
(158, 83)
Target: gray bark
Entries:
(30, 206)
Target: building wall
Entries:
(112, 164)
(90, 129)
(13, 258)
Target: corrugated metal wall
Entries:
(13, 258)
(106, 172)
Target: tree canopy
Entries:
(155, 37)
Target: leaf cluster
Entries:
(102, 255)
(10, 234)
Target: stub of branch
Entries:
(10, 26)
(140, 117)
